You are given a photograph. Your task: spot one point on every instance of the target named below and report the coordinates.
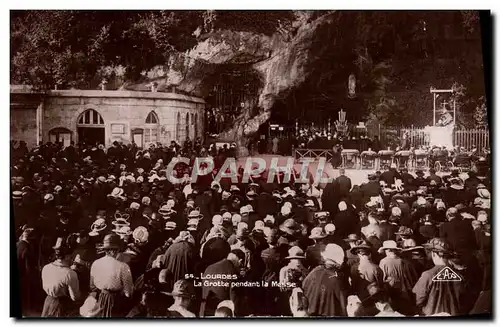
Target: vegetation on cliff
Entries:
(303, 58)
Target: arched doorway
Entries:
(151, 129)
(90, 126)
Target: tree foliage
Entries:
(396, 57)
(76, 48)
(481, 114)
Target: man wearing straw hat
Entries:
(183, 294)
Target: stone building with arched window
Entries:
(102, 117)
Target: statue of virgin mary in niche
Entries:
(352, 86)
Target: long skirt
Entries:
(56, 306)
(111, 304)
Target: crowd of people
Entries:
(103, 233)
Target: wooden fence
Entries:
(470, 138)
(416, 136)
(316, 154)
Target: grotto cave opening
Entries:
(231, 90)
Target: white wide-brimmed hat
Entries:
(98, 226)
(195, 214)
(389, 245)
(123, 230)
(170, 225)
(140, 234)
(192, 224)
(317, 233)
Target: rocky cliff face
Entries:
(280, 60)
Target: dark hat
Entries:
(372, 176)
(300, 201)
(182, 288)
(404, 231)
(289, 226)
(419, 173)
(398, 196)
(438, 245)
(363, 246)
(374, 292)
(352, 238)
(111, 241)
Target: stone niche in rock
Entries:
(276, 64)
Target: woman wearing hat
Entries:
(180, 258)
(111, 280)
(325, 287)
(352, 240)
(60, 283)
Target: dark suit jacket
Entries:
(372, 188)
(390, 176)
(460, 234)
(328, 198)
(343, 185)
(213, 295)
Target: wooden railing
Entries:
(478, 138)
(313, 153)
